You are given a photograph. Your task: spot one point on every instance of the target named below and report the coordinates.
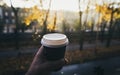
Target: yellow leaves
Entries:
(89, 23)
(103, 9)
(26, 9)
(106, 12)
(52, 23)
(27, 22)
(39, 15)
(107, 17)
(36, 14)
(117, 15)
(50, 27)
(98, 8)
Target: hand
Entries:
(41, 66)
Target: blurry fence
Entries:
(26, 39)
(74, 37)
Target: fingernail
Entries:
(66, 61)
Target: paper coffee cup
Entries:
(54, 45)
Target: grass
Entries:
(11, 65)
(78, 56)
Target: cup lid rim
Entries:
(57, 41)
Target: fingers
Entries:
(54, 65)
(67, 61)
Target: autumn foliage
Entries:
(106, 12)
(39, 15)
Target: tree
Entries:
(91, 23)
(41, 16)
(111, 26)
(15, 10)
(110, 31)
(65, 26)
(23, 27)
(80, 27)
(108, 14)
(102, 27)
(117, 27)
(1, 25)
(52, 25)
(44, 31)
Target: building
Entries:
(1, 20)
(7, 17)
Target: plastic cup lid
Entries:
(54, 39)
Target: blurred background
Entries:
(92, 26)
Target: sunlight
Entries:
(20, 3)
(67, 5)
(70, 5)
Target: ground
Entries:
(17, 62)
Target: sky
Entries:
(69, 5)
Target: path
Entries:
(109, 66)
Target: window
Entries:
(21, 14)
(25, 14)
(12, 14)
(6, 21)
(0, 17)
(6, 13)
(13, 21)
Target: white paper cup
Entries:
(54, 45)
